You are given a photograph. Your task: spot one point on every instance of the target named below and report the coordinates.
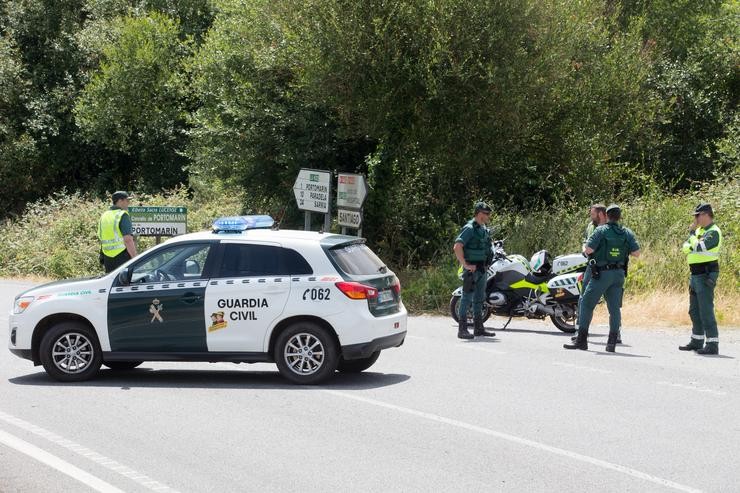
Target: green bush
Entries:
(57, 237)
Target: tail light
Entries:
(357, 291)
(580, 277)
(396, 286)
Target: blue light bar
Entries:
(238, 224)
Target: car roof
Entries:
(281, 236)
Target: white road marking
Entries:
(581, 367)
(518, 440)
(56, 463)
(703, 390)
(87, 453)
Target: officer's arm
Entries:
(460, 255)
(634, 246)
(593, 242)
(636, 253)
(707, 242)
(128, 240)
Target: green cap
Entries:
(703, 207)
(482, 207)
(120, 195)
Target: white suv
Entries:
(310, 302)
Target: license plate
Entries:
(385, 296)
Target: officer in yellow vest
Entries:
(115, 233)
(702, 252)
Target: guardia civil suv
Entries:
(311, 302)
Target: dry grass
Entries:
(669, 309)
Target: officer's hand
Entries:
(470, 267)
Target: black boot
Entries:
(710, 348)
(462, 330)
(581, 342)
(611, 343)
(479, 330)
(694, 345)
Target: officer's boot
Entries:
(479, 330)
(581, 342)
(611, 343)
(462, 329)
(710, 348)
(694, 345)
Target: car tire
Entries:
(306, 353)
(122, 365)
(70, 352)
(358, 365)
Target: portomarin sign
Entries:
(159, 221)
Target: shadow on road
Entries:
(212, 379)
(626, 355)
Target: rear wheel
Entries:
(306, 353)
(564, 323)
(454, 311)
(122, 365)
(358, 365)
(70, 352)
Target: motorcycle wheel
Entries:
(567, 325)
(454, 311)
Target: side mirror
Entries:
(123, 277)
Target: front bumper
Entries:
(22, 353)
(365, 349)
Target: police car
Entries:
(311, 302)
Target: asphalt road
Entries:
(516, 413)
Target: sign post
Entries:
(312, 190)
(158, 221)
(351, 195)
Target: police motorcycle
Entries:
(536, 289)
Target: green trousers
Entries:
(610, 285)
(701, 307)
(584, 285)
(474, 297)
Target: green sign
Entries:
(159, 221)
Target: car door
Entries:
(247, 294)
(161, 307)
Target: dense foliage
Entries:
(531, 104)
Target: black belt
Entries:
(704, 268)
(611, 267)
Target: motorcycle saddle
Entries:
(537, 279)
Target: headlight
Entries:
(21, 304)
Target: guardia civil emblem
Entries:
(155, 308)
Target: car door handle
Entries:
(190, 298)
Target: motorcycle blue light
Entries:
(238, 224)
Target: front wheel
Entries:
(306, 353)
(358, 365)
(70, 352)
(454, 311)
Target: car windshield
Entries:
(357, 259)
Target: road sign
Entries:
(159, 221)
(349, 218)
(351, 191)
(312, 189)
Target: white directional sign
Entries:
(159, 221)
(351, 191)
(349, 218)
(311, 190)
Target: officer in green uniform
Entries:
(608, 248)
(597, 214)
(115, 233)
(473, 249)
(702, 252)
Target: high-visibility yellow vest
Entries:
(109, 232)
(701, 255)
